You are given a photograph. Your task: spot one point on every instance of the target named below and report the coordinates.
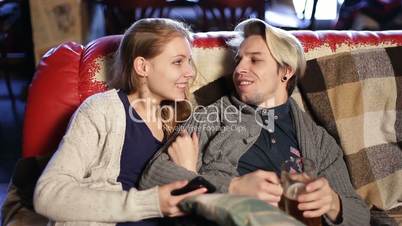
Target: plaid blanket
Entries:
(231, 210)
(357, 97)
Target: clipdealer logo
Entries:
(203, 115)
(267, 122)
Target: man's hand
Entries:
(168, 203)
(319, 199)
(184, 151)
(263, 185)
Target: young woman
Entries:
(92, 178)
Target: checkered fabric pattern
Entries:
(357, 97)
(230, 210)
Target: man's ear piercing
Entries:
(284, 78)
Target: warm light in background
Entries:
(326, 9)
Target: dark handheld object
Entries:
(194, 184)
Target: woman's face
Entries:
(171, 71)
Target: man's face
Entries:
(256, 76)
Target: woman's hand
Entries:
(168, 203)
(184, 151)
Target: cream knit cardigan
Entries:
(79, 185)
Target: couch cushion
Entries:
(52, 99)
(96, 65)
(390, 218)
(70, 73)
(357, 97)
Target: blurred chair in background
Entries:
(224, 15)
(16, 51)
(370, 15)
(120, 14)
(282, 13)
(208, 15)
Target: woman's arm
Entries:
(64, 192)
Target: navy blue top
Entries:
(138, 148)
(272, 148)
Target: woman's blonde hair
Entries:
(147, 38)
(284, 47)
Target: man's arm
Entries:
(353, 209)
(219, 170)
(161, 169)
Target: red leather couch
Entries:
(69, 73)
(66, 76)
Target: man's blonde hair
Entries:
(284, 47)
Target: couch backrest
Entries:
(340, 90)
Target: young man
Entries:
(259, 128)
